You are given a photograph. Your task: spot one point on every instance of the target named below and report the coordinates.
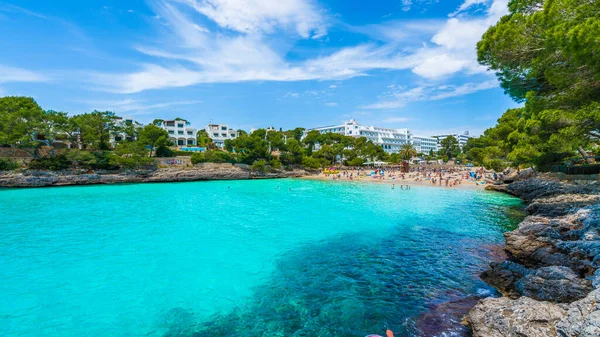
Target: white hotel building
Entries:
(180, 132)
(462, 139)
(425, 144)
(390, 139)
(219, 133)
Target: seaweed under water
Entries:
(416, 283)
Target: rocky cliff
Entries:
(551, 280)
(32, 178)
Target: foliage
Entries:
(545, 54)
(154, 137)
(312, 163)
(259, 165)
(56, 163)
(95, 128)
(407, 151)
(355, 162)
(97, 160)
(449, 147)
(204, 140)
(20, 118)
(276, 164)
(131, 155)
(212, 156)
(8, 165)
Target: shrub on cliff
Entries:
(56, 163)
(8, 165)
(131, 156)
(212, 156)
(311, 163)
(259, 165)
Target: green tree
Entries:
(204, 140)
(95, 128)
(545, 55)
(449, 147)
(153, 136)
(407, 151)
(20, 120)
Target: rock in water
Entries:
(503, 317)
(583, 318)
(557, 284)
(504, 276)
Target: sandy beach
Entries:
(452, 178)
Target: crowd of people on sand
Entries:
(439, 176)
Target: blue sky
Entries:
(257, 63)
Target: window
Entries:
(190, 142)
(224, 128)
(233, 135)
(180, 142)
(171, 132)
(224, 135)
(171, 123)
(180, 125)
(180, 132)
(215, 135)
(190, 133)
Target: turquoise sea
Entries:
(240, 258)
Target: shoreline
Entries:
(464, 186)
(206, 172)
(550, 280)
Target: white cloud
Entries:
(131, 105)
(399, 96)
(189, 54)
(331, 104)
(12, 9)
(13, 74)
(292, 94)
(333, 86)
(263, 16)
(467, 5)
(406, 5)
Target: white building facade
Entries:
(219, 133)
(425, 144)
(390, 139)
(180, 132)
(462, 138)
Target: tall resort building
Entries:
(390, 139)
(462, 138)
(219, 133)
(425, 144)
(180, 131)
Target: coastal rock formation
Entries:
(583, 318)
(554, 260)
(558, 284)
(504, 276)
(502, 317)
(34, 178)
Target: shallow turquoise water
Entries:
(239, 258)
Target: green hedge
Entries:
(8, 165)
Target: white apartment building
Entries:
(390, 139)
(180, 132)
(219, 133)
(425, 144)
(121, 122)
(462, 139)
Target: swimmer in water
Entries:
(393, 186)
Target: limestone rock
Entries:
(556, 284)
(524, 317)
(504, 276)
(583, 318)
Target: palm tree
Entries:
(407, 151)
